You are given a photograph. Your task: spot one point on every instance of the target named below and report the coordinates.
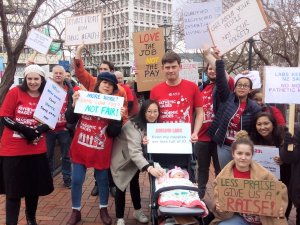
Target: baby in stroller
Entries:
(178, 197)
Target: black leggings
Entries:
(135, 196)
(13, 208)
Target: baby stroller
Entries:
(168, 161)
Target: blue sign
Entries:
(1, 67)
(65, 64)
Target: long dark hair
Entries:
(277, 132)
(139, 120)
(24, 85)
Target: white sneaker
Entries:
(140, 216)
(120, 221)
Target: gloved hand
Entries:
(41, 129)
(288, 138)
(29, 133)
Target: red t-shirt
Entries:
(61, 123)
(91, 146)
(128, 92)
(277, 114)
(209, 115)
(177, 103)
(235, 124)
(252, 219)
(20, 106)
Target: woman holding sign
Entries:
(267, 132)
(128, 160)
(243, 167)
(24, 169)
(91, 148)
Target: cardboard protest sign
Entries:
(50, 104)
(148, 51)
(38, 41)
(256, 197)
(189, 71)
(245, 19)
(96, 104)
(169, 138)
(253, 76)
(85, 29)
(282, 85)
(1, 67)
(264, 156)
(196, 17)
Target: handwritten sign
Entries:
(1, 67)
(38, 41)
(169, 138)
(257, 197)
(282, 85)
(264, 156)
(196, 17)
(50, 104)
(85, 29)
(189, 71)
(253, 76)
(245, 19)
(96, 104)
(148, 51)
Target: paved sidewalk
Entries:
(55, 209)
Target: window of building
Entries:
(147, 18)
(153, 18)
(142, 17)
(153, 5)
(136, 17)
(164, 7)
(158, 6)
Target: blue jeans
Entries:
(235, 220)
(64, 141)
(78, 176)
(224, 155)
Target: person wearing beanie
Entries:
(24, 170)
(91, 148)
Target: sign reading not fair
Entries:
(282, 85)
(238, 24)
(95, 104)
(171, 138)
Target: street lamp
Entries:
(250, 41)
(167, 31)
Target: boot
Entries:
(75, 217)
(30, 219)
(105, 217)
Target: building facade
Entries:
(121, 18)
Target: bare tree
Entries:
(16, 19)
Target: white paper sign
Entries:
(264, 156)
(85, 29)
(196, 17)
(38, 41)
(171, 138)
(253, 76)
(238, 24)
(96, 104)
(50, 104)
(282, 85)
(189, 72)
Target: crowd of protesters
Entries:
(218, 110)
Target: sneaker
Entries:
(120, 221)
(140, 216)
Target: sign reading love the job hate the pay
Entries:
(171, 138)
(96, 104)
(50, 104)
(38, 41)
(238, 24)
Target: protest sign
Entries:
(196, 17)
(255, 197)
(1, 67)
(50, 104)
(264, 156)
(189, 71)
(148, 51)
(38, 41)
(84, 29)
(282, 85)
(253, 76)
(245, 19)
(96, 104)
(171, 138)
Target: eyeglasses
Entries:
(152, 112)
(244, 86)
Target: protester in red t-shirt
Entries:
(91, 148)
(242, 166)
(24, 170)
(120, 78)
